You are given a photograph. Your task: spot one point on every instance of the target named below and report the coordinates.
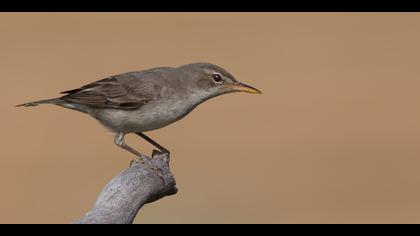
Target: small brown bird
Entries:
(142, 101)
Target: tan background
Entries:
(333, 139)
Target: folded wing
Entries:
(114, 93)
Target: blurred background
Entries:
(333, 139)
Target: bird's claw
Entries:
(166, 157)
(146, 160)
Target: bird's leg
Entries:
(151, 141)
(119, 140)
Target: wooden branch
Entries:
(122, 198)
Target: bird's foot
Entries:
(166, 154)
(146, 160)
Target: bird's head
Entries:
(213, 80)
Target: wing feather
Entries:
(114, 93)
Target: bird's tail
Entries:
(36, 103)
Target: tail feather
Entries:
(36, 103)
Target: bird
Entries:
(141, 101)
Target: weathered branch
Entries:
(122, 198)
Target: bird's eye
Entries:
(217, 77)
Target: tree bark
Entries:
(121, 199)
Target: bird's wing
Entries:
(113, 92)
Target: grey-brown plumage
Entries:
(141, 101)
(126, 91)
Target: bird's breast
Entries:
(170, 107)
(152, 117)
(149, 117)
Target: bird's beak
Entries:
(241, 87)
